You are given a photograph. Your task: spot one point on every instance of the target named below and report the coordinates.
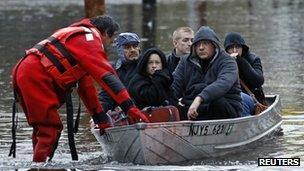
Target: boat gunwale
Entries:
(142, 125)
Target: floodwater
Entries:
(272, 28)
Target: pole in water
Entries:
(94, 7)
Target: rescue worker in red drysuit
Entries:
(41, 83)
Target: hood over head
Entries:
(235, 38)
(206, 33)
(124, 39)
(143, 63)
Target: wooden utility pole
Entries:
(94, 7)
(149, 23)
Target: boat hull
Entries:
(176, 142)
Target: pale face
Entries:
(235, 49)
(131, 51)
(205, 49)
(154, 63)
(183, 44)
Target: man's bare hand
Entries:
(192, 111)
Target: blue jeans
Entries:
(248, 105)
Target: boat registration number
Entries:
(205, 130)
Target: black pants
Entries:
(221, 108)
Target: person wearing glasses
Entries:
(249, 65)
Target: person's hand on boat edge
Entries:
(192, 111)
(136, 115)
(101, 126)
(102, 123)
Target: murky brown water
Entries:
(272, 28)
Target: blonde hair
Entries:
(177, 33)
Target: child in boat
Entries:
(150, 86)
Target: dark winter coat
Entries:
(249, 64)
(151, 90)
(125, 69)
(125, 72)
(173, 60)
(219, 79)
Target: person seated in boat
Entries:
(182, 40)
(207, 81)
(128, 50)
(151, 84)
(249, 65)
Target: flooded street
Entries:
(273, 29)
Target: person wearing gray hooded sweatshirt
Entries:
(206, 83)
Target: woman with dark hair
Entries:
(151, 84)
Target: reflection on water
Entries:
(272, 28)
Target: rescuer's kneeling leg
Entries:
(34, 138)
(47, 137)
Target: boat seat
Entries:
(162, 114)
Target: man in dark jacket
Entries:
(207, 80)
(128, 50)
(182, 40)
(249, 64)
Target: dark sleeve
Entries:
(227, 75)
(178, 84)
(163, 78)
(150, 91)
(88, 94)
(106, 101)
(251, 74)
(172, 63)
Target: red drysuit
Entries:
(41, 83)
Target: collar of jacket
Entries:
(176, 56)
(119, 63)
